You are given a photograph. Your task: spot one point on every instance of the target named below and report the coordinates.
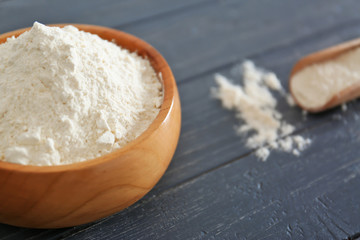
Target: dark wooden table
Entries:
(215, 188)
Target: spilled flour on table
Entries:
(256, 106)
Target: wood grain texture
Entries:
(68, 195)
(208, 139)
(283, 198)
(212, 35)
(211, 164)
(107, 12)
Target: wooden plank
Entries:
(192, 37)
(249, 199)
(203, 149)
(203, 38)
(16, 14)
(192, 145)
(208, 138)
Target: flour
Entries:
(256, 106)
(69, 96)
(290, 100)
(263, 153)
(344, 107)
(272, 81)
(315, 85)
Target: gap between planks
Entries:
(75, 230)
(194, 178)
(289, 44)
(165, 13)
(326, 31)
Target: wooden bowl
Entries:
(69, 195)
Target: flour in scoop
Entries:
(255, 105)
(69, 96)
(316, 84)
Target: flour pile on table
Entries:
(255, 105)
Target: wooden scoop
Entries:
(345, 95)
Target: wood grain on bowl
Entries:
(69, 195)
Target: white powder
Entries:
(255, 105)
(69, 96)
(262, 153)
(344, 107)
(301, 142)
(315, 85)
(290, 100)
(272, 81)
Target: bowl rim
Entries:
(169, 93)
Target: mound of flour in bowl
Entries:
(68, 96)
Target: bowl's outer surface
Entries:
(69, 195)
